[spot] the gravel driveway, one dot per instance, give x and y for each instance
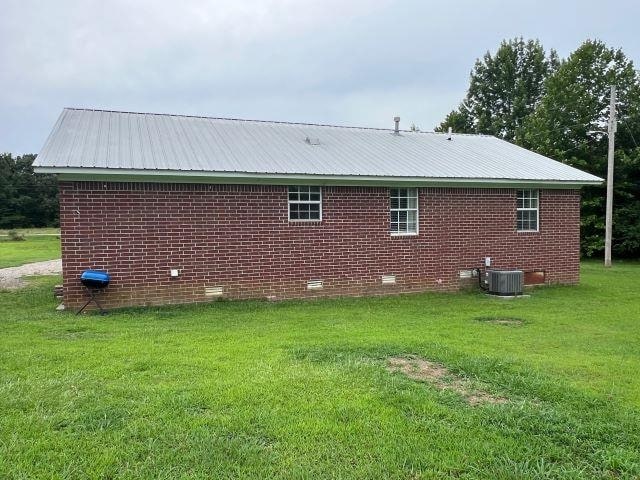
(11, 277)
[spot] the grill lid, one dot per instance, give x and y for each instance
(95, 278)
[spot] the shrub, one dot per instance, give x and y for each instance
(14, 236)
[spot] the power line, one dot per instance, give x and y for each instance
(630, 133)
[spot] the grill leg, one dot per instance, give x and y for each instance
(102, 310)
(93, 298)
(85, 305)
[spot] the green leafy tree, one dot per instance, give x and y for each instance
(570, 125)
(504, 89)
(27, 199)
(459, 121)
(7, 190)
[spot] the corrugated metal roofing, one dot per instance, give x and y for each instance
(98, 139)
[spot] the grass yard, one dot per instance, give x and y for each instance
(301, 389)
(34, 249)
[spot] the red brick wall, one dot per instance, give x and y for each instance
(239, 237)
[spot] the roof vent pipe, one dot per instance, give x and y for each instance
(449, 134)
(397, 127)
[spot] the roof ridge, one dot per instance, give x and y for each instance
(279, 122)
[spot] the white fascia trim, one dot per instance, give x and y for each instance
(191, 176)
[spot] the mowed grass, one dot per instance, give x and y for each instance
(301, 390)
(33, 249)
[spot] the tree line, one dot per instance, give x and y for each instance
(26, 199)
(560, 108)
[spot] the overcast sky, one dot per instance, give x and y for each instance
(322, 61)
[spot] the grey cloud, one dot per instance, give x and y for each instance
(357, 62)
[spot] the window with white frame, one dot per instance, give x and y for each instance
(527, 210)
(305, 203)
(404, 211)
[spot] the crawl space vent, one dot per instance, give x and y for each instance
(314, 285)
(388, 279)
(213, 291)
(466, 273)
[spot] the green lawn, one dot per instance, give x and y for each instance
(33, 249)
(300, 389)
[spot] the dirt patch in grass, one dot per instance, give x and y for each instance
(501, 320)
(439, 376)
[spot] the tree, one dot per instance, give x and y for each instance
(504, 89)
(26, 199)
(570, 125)
(7, 189)
(459, 120)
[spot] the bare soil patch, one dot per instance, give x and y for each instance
(501, 320)
(439, 376)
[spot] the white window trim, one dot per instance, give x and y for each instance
(536, 209)
(417, 209)
(289, 202)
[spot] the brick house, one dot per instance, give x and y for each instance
(186, 209)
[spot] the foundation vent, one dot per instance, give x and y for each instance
(213, 291)
(388, 279)
(466, 273)
(314, 285)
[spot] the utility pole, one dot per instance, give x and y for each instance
(609, 208)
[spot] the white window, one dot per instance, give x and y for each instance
(527, 210)
(305, 204)
(404, 211)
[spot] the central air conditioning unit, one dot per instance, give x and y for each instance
(505, 282)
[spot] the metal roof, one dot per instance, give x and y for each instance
(99, 141)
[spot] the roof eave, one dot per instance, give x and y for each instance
(181, 176)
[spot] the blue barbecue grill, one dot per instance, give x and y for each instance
(95, 281)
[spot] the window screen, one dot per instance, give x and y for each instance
(305, 203)
(404, 211)
(527, 210)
